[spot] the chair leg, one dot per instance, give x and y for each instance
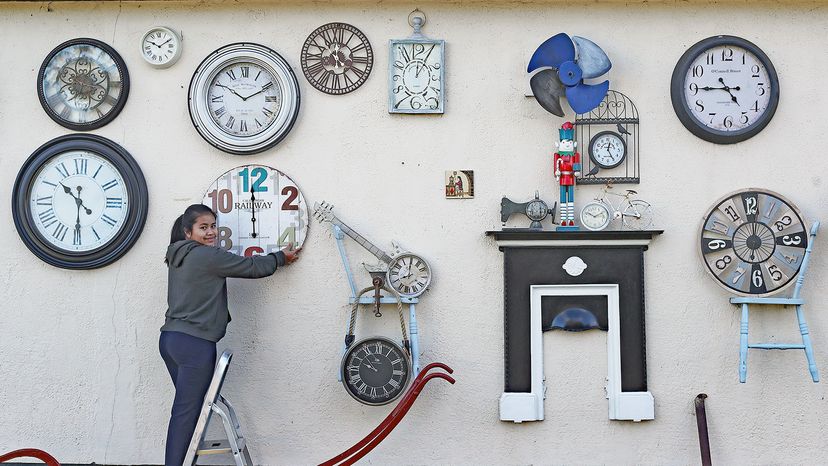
(743, 347)
(806, 341)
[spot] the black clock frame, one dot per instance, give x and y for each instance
(116, 109)
(371, 340)
(680, 104)
(303, 58)
(595, 160)
(136, 188)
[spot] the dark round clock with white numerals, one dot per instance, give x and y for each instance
(724, 89)
(83, 84)
(375, 370)
(753, 242)
(337, 58)
(79, 202)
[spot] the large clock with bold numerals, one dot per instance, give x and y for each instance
(753, 242)
(416, 76)
(337, 58)
(375, 371)
(83, 84)
(260, 210)
(244, 98)
(724, 89)
(79, 201)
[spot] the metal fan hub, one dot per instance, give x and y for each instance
(569, 73)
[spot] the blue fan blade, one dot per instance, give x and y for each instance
(554, 51)
(548, 91)
(585, 97)
(591, 59)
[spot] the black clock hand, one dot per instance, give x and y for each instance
(231, 90)
(728, 88)
(253, 210)
(251, 95)
(162, 43)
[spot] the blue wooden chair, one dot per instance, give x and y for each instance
(794, 300)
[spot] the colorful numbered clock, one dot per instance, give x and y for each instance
(83, 84)
(260, 210)
(79, 202)
(607, 149)
(375, 371)
(161, 47)
(724, 89)
(416, 72)
(337, 58)
(244, 98)
(753, 242)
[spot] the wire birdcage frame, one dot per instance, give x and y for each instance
(616, 113)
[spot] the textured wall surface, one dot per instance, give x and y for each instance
(80, 374)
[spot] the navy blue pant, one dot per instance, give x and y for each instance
(190, 361)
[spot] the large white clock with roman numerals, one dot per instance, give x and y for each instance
(80, 201)
(724, 89)
(753, 242)
(244, 98)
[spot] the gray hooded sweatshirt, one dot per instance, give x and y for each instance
(197, 286)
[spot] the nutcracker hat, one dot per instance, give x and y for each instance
(567, 131)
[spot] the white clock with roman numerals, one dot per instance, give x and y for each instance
(724, 89)
(244, 98)
(161, 47)
(80, 201)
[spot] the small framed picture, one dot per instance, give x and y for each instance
(459, 184)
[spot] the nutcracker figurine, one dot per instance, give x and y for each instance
(567, 165)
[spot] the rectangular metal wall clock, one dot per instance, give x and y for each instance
(416, 71)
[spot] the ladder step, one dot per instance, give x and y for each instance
(213, 447)
(779, 346)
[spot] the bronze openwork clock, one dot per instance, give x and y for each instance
(79, 202)
(337, 58)
(83, 84)
(753, 242)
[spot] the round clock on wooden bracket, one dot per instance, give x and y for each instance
(79, 202)
(260, 210)
(753, 242)
(724, 89)
(83, 84)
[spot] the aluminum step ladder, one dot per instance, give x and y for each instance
(214, 403)
(794, 300)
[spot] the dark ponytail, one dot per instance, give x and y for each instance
(184, 223)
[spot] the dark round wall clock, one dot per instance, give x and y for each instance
(375, 370)
(753, 242)
(83, 84)
(79, 202)
(337, 58)
(724, 89)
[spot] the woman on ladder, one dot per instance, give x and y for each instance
(197, 314)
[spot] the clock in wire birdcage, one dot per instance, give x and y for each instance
(609, 135)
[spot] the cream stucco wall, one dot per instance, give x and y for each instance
(80, 374)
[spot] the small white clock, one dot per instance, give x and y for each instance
(161, 47)
(595, 216)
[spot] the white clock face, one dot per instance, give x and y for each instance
(607, 149)
(595, 216)
(244, 99)
(727, 88)
(161, 47)
(409, 274)
(416, 77)
(260, 210)
(78, 201)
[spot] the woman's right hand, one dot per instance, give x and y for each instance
(291, 254)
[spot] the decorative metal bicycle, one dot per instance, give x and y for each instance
(635, 214)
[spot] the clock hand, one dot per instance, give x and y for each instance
(231, 90)
(79, 201)
(162, 43)
(251, 95)
(253, 210)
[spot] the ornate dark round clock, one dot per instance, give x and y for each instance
(375, 371)
(753, 242)
(337, 58)
(79, 202)
(83, 84)
(607, 149)
(724, 89)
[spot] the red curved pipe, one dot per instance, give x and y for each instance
(30, 453)
(387, 425)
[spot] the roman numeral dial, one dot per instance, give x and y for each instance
(375, 371)
(244, 99)
(337, 58)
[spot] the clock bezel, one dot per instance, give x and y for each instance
(617, 136)
(116, 109)
(441, 101)
(425, 287)
(197, 98)
(680, 104)
(344, 373)
(303, 59)
(176, 53)
(135, 187)
(603, 225)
